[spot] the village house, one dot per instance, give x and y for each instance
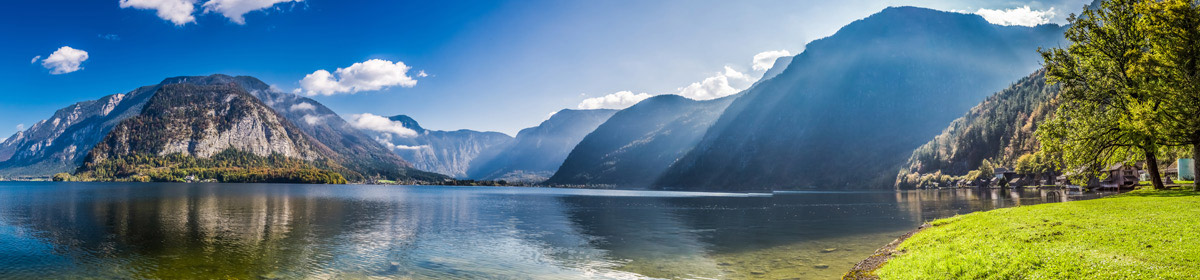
(1122, 175)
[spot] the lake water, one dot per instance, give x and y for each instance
(276, 231)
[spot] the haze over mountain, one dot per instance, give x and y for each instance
(848, 110)
(443, 152)
(538, 151)
(637, 144)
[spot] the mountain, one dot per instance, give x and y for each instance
(848, 111)
(538, 151)
(443, 152)
(352, 148)
(62, 143)
(637, 144)
(999, 130)
(182, 123)
(776, 68)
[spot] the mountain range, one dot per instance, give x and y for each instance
(633, 147)
(200, 117)
(850, 109)
(854, 110)
(538, 151)
(444, 152)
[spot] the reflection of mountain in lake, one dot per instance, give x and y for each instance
(247, 231)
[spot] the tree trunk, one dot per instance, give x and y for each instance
(1195, 166)
(1152, 168)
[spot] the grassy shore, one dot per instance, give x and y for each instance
(1139, 235)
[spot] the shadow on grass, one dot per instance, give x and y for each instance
(1173, 192)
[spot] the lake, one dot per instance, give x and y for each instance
(278, 231)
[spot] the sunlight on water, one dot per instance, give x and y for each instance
(208, 231)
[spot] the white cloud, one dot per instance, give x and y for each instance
(405, 147)
(303, 106)
(380, 124)
(422, 74)
(723, 84)
(175, 11)
(618, 100)
(236, 10)
(64, 60)
(313, 120)
(35, 59)
(764, 60)
(375, 74)
(20, 127)
(1023, 16)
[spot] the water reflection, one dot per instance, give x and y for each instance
(168, 231)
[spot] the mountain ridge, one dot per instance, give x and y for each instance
(852, 106)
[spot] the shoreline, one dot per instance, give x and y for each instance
(865, 269)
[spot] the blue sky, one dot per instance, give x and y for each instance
(489, 65)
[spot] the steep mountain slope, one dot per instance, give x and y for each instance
(538, 151)
(60, 143)
(849, 110)
(443, 152)
(185, 122)
(353, 148)
(780, 64)
(202, 121)
(637, 144)
(1000, 130)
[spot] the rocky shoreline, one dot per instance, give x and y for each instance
(865, 269)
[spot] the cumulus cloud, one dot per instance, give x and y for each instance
(35, 59)
(313, 120)
(303, 106)
(422, 74)
(375, 74)
(406, 147)
(722, 84)
(236, 10)
(1023, 16)
(618, 100)
(64, 60)
(380, 124)
(178, 12)
(764, 60)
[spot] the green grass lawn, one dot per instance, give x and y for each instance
(1139, 235)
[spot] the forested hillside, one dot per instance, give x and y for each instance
(999, 130)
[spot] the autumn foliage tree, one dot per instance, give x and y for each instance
(1108, 112)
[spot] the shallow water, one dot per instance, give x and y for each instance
(276, 231)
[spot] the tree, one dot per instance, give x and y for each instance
(61, 177)
(1107, 114)
(986, 170)
(1173, 27)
